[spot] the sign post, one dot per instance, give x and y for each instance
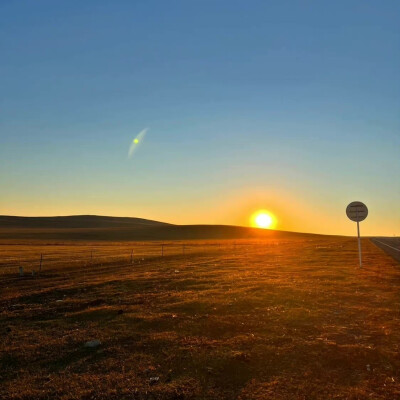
(357, 212)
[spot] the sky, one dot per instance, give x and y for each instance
(290, 106)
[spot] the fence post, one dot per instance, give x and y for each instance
(162, 250)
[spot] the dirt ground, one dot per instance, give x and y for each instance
(273, 319)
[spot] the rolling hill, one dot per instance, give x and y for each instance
(76, 221)
(93, 227)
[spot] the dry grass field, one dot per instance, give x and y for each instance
(269, 319)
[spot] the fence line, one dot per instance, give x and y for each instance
(84, 255)
(77, 255)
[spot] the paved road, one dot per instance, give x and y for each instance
(390, 244)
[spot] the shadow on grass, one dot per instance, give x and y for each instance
(75, 358)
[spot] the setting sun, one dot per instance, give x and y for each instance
(263, 219)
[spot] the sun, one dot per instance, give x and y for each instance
(263, 219)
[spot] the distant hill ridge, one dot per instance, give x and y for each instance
(95, 227)
(76, 221)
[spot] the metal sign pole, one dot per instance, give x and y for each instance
(359, 243)
(357, 211)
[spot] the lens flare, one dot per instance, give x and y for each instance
(137, 141)
(263, 219)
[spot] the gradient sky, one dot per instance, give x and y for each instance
(291, 106)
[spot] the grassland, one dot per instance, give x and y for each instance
(269, 319)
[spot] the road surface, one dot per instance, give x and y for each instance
(391, 245)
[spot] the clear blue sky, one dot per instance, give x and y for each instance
(291, 106)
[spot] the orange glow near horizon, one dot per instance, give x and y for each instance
(263, 219)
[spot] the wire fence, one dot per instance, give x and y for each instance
(51, 257)
(40, 258)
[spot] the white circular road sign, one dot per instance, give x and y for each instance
(357, 211)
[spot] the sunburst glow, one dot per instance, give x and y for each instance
(263, 219)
